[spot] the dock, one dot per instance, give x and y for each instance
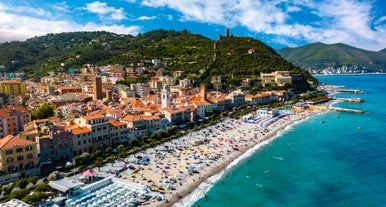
(355, 100)
(349, 91)
(347, 110)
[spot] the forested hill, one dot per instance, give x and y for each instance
(199, 56)
(319, 56)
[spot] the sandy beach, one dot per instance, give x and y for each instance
(177, 168)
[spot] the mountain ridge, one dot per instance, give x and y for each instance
(319, 56)
(198, 56)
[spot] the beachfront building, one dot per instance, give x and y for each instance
(219, 99)
(178, 115)
(136, 123)
(100, 128)
(55, 146)
(118, 132)
(18, 156)
(237, 98)
(260, 98)
(12, 120)
(81, 138)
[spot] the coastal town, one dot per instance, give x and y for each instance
(93, 115)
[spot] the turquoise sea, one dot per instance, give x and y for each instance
(341, 162)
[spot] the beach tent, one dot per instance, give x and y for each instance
(88, 175)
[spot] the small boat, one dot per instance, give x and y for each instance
(278, 158)
(359, 128)
(322, 121)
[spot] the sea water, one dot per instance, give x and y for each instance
(332, 159)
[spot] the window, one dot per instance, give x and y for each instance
(19, 150)
(19, 158)
(9, 160)
(8, 152)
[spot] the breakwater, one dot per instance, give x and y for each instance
(347, 110)
(349, 91)
(355, 100)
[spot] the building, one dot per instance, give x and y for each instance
(165, 97)
(98, 88)
(136, 124)
(81, 139)
(69, 89)
(100, 130)
(237, 98)
(178, 116)
(56, 146)
(118, 132)
(279, 78)
(13, 119)
(18, 156)
(13, 87)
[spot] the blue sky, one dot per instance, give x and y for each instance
(278, 23)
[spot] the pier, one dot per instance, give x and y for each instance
(355, 100)
(347, 110)
(349, 91)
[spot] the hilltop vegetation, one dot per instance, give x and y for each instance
(198, 56)
(319, 56)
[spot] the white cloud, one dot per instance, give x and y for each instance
(143, 18)
(347, 21)
(61, 7)
(105, 11)
(28, 11)
(15, 27)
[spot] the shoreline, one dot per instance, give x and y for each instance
(195, 188)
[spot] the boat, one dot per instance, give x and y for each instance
(322, 121)
(278, 158)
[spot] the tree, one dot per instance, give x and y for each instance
(19, 194)
(43, 187)
(42, 112)
(98, 162)
(34, 198)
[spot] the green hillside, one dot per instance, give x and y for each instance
(319, 56)
(199, 56)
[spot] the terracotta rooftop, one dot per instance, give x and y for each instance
(116, 123)
(10, 141)
(4, 112)
(80, 130)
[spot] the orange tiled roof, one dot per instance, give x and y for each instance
(130, 117)
(71, 126)
(80, 130)
(116, 123)
(149, 118)
(176, 110)
(91, 117)
(12, 141)
(4, 112)
(34, 131)
(137, 103)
